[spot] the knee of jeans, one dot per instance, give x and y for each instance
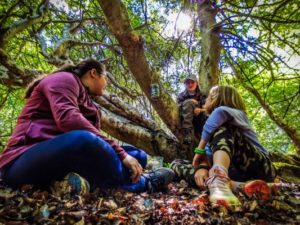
(141, 157)
(83, 138)
(139, 154)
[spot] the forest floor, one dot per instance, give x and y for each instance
(180, 204)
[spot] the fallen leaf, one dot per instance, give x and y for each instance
(110, 204)
(253, 206)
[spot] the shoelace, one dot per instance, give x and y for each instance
(218, 180)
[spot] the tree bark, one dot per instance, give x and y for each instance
(210, 46)
(154, 142)
(132, 45)
(117, 106)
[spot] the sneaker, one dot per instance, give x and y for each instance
(260, 189)
(72, 183)
(218, 185)
(159, 179)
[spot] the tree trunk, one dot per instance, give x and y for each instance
(287, 166)
(133, 50)
(210, 46)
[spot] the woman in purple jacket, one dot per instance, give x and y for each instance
(57, 133)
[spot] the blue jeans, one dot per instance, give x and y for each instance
(78, 151)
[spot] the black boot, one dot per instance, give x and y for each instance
(159, 179)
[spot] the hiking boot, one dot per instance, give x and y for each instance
(188, 136)
(159, 179)
(72, 183)
(218, 184)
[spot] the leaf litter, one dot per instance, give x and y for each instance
(180, 204)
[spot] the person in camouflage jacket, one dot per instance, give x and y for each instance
(192, 115)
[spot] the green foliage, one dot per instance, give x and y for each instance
(269, 134)
(253, 33)
(10, 109)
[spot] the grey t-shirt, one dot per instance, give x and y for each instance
(233, 116)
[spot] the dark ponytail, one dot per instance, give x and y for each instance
(79, 70)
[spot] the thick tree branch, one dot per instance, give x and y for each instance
(210, 46)
(117, 106)
(132, 44)
(153, 142)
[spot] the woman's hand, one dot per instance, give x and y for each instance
(134, 166)
(200, 176)
(197, 111)
(198, 158)
(194, 101)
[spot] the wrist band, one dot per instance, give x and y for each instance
(199, 151)
(202, 167)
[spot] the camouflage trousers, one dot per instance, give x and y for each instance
(188, 119)
(247, 161)
(187, 113)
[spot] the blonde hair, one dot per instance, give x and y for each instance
(224, 96)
